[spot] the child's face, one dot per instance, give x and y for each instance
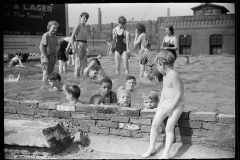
(93, 74)
(53, 29)
(105, 88)
(68, 96)
(130, 84)
(84, 20)
(124, 100)
(160, 67)
(148, 103)
(52, 83)
(99, 101)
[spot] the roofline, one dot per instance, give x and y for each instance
(209, 4)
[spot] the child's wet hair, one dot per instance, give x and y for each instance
(54, 77)
(165, 56)
(122, 20)
(96, 60)
(130, 77)
(18, 53)
(106, 80)
(50, 23)
(121, 92)
(73, 89)
(93, 68)
(85, 14)
(150, 95)
(95, 97)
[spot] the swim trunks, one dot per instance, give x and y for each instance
(167, 102)
(50, 65)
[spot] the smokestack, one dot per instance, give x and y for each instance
(168, 12)
(99, 21)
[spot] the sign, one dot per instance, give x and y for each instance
(32, 19)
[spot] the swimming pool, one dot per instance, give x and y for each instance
(209, 83)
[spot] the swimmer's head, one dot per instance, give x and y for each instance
(93, 72)
(124, 98)
(53, 79)
(150, 99)
(72, 91)
(97, 99)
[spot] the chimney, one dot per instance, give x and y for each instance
(168, 12)
(99, 21)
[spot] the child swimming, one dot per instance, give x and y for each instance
(106, 91)
(54, 81)
(129, 84)
(150, 99)
(16, 59)
(124, 98)
(97, 99)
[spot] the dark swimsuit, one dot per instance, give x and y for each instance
(168, 44)
(120, 46)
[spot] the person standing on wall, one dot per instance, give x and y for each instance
(141, 39)
(121, 38)
(80, 47)
(170, 42)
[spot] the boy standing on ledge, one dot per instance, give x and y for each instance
(171, 103)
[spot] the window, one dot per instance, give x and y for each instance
(216, 11)
(216, 40)
(207, 11)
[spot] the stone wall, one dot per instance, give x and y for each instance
(205, 128)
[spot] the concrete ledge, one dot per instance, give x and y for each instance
(36, 134)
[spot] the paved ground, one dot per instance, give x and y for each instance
(112, 147)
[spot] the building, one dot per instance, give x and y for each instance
(209, 31)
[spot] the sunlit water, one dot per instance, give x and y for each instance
(209, 83)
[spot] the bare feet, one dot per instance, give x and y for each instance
(164, 156)
(148, 152)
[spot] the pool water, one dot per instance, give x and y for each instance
(209, 83)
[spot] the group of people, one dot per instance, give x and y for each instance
(159, 65)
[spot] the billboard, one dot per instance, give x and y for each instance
(32, 19)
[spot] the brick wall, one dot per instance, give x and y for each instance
(207, 128)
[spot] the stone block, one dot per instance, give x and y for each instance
(148, 113)
(84, 128)
(85, 108)
(80, 116)
(200, 132)
(120, 119)
(226, 118)
(136, 134)
(203, 116)
(10, 109)
(11, 103)
(66, 107)
(189, 124)
(61, 114)
(128, 126)
(23, 110)
(124, 133)
(99, 130)
(84, 122)
(29, 103)
(141, 121)
(101, 117)
(183, 131)
(107, 109)
(107, 124)
(145, 128)
(46, 113)
(36, 134)
(128, 111)
(216, 126)
(48, 105)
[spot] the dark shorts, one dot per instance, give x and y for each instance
(61, 50)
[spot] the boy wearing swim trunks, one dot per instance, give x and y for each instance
(79, 46)
(171, 103)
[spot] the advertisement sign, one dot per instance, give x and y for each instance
(32, 19)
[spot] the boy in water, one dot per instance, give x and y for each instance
(171, 103)
(146, 61)
(97, 99)
(15, 60)
(150, 99)
(72, 93)
(124, 98)
(129, 84)
(48, 48)
(106, 91)
(80, 47)
(55, 81)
